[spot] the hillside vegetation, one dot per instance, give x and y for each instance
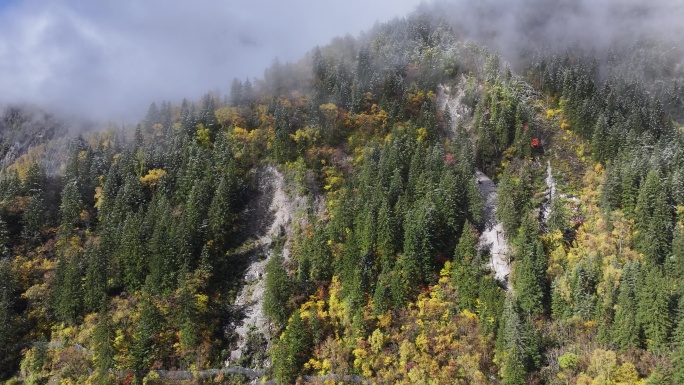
(122, 251)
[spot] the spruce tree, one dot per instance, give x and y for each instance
(144, 347)
(465, 275)
(9, 336)
(560, 308)
(95, 286)
(132, 252)
(386, 228)
(222, 209)
(382, 296)
(33, 218)
(599, 141)
(292, 350)
(517, 345)
(529, 280)
(103, 346)
(674, 266)
(68, 300)
(4, 240)
(626, 331)
(419, 230)
(653, 313)
(654, 224)
(277, 291)
(678, 342)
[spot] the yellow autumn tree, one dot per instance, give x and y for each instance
(153, 177)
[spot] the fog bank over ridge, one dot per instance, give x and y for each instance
(109, 60)
(511, 25)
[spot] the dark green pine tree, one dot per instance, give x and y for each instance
(277, 291)
(653, 312)
(367, 227)
(560, 308)
(188, 318)
(194, 214)
(236, 92)
(654, 224)
(33, 218)
(34, 181)
(162, 266)
(677, 183)
(68, 291)
(382, 296)
(103, 347)
(475, 204)
(629, 189)
(529, 279)
(558, 218)
(583, 289)
(188, 120)
(386, 228)
(292, 350)
(516, 345)
(193, 173)
(674, 266)
(403, 280)
(611, 193)
(9, 336)
(466, 275)
(526, 286)
(396, 188)
(416, 169)
(513, 199)
(283, 145)
(678, 341)
(151, 118)
(426, 119)
(490, 305)
(132, 252)
(605, 312)
(95, 285)
(222, 209)
(599, 140)
(485, 146)
(626, 332)
(4, 240)
(10, 185)
(452, 202)
(207, 114)
(321, 268)
(144, 347)
(419, 230)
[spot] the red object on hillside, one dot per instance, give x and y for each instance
(525, 128)
(535, 142)
(449, 159)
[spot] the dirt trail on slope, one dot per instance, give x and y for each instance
(271, 213)
(492, 238)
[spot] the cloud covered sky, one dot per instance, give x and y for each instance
(109, 59)
(507, 25)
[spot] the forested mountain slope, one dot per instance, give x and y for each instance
(127, 259)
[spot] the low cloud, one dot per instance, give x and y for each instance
(110, 59)
(511, 25)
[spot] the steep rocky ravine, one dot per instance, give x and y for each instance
(271, 212)
(492, 237)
